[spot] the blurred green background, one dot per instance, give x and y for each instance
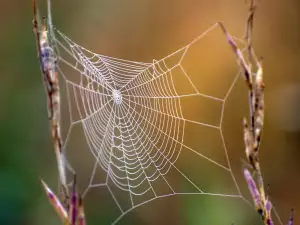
(142, 30)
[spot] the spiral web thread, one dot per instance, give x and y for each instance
(132, 118)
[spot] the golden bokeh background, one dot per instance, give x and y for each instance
(143, 30)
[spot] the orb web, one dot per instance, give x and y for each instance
(133, 119)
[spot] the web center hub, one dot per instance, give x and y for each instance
(117, 97)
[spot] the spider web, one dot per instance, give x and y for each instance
(134, 122)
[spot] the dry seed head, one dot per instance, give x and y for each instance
(291, 220)
(268, 208)
(60, 210)
(81, 215)
(253, 190)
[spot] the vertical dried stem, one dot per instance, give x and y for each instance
(47, 57)
(252, 133)
(50, 77)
